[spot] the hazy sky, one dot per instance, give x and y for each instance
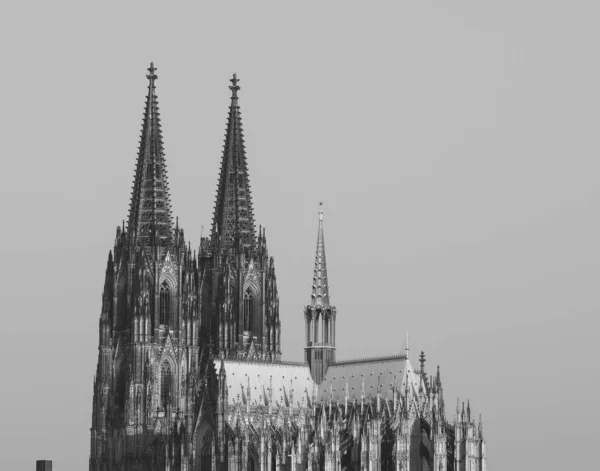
(454, 145)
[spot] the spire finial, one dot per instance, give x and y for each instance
(235, 87)
(406, 345)
(152, 75)
(320, 211)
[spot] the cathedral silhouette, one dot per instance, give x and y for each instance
(190, 375)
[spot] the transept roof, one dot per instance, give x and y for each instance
(366, 377)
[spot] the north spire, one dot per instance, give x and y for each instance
(150, 220)
(233, 218)
(320, 288)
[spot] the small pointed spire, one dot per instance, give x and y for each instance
(468, 410)
(422, 361)
(320, 288)
(406, 344)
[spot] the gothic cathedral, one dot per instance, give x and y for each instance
(190, 375)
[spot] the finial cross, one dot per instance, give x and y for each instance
(235, 87)
(152, 75)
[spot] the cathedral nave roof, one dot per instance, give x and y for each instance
(368, 376)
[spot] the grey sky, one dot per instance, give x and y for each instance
(454, 145)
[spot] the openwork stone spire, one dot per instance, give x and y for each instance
(320, 289)
(233, 218)
(150, 220)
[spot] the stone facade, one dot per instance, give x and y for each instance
(190, 375)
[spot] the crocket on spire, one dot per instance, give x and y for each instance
(233, 217)
(320, 288)
(150, 220)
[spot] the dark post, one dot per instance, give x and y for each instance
(43, 465)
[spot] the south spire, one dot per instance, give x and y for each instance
(150, 220)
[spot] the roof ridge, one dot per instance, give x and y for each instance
(370, 359)
(260, 362)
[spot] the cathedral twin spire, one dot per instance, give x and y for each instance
(150, 219)
(233, 217)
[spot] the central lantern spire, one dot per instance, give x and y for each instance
(320, 316)
(320, 289)
(233, 218)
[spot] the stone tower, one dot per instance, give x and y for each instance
(149, 323)
(319, 315)
(240, 304)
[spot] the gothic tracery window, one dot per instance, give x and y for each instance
(248, 311)
(165, 384)
(164, 304)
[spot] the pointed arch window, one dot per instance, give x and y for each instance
(248, 310)
(165, 384)
(164, 304)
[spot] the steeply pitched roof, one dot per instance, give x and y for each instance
(233, 218)
(261, 383)
(367, 376)
(150, 219)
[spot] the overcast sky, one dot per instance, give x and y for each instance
(454, 145)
